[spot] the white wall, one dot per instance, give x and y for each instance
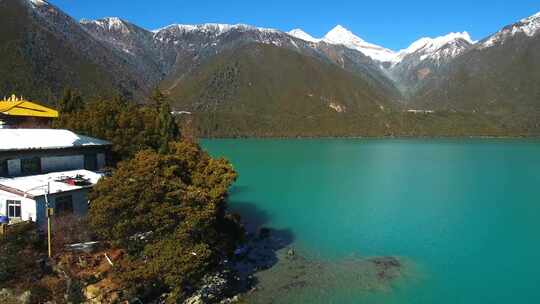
(62, 163)
(35, 210)
(28, 206)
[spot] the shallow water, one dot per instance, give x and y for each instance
(464, 213)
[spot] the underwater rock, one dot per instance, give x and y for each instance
(293, 280)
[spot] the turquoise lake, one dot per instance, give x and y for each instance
(464, 214)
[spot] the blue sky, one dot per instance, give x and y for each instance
(393, 24)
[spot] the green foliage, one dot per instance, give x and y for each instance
(70, 102)
(158, 97)
(19, 254)
(168, 128)
(128, 126)
(168, 210)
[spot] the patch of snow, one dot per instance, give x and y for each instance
(109, 23)
(342, 36)
(300, 34)
(529, 26)
(447, 46)
(213, 28)
(337, 107)
(33, 139)
(39, 2)
(433, 44)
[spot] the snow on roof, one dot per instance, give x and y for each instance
(33, 139)
(36, 185)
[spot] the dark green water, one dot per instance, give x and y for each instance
(465, 213)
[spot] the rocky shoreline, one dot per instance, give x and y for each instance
(266, 266)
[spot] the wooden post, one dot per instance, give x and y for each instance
(49, 232)
(3, 230)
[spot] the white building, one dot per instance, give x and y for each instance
(59, 165)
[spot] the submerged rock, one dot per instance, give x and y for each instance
(294, 280)
(291, 253)
(387, 267)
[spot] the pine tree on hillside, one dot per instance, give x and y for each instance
(168, 128)
(70, 102)
(158, 98)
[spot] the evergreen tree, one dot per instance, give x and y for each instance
(158, 98)
(167, 126)
(168, 129)
(177, 201)
(70, 102)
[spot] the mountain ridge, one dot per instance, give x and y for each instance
(111, 55)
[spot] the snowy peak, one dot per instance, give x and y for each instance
(300, 34)
(439, 48)
(529, 26)
(432, 44)
(211, 28)
(110, 24)
(341, 35)
(38, 2)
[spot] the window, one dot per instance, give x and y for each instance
(64, 205)
(90, 162)
(3, 168)
(30, 166)
(14, 209)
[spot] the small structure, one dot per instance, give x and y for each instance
(23, 198)
(39, 165)
(421, 111)
(20, 113)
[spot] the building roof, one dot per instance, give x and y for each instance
(36, 185)
(14, 106)
(44, 139)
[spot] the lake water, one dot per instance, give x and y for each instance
(464, 214)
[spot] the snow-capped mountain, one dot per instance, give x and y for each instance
(438, 49)
(529, 27)
(125, 36)
(214, 29)
(133, 59)
(425, 57)
(300, 34)
(52, 51)
(109, 23)
(133, 44)
(342, 36)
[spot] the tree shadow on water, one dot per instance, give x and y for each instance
(260, 250)
(238, 189)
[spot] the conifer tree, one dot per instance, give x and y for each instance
(168, 128)
(70, 102)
